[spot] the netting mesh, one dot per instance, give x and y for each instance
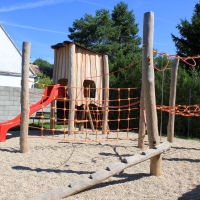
(122, 108)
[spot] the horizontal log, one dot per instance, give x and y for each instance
(102, 175)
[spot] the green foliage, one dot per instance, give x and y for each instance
(41, 62)
(114, 35)
(185, 84)
(188, 86)
(188, 43)
(43, 79)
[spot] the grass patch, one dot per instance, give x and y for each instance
(187, 138)
(35, 126)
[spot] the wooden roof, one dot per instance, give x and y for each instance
(65, 43)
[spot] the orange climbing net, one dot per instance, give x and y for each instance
(184, 59)
(183, 110)
(89, 118)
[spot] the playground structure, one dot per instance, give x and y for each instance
(80, 69)
(70, 59)
(76, 68)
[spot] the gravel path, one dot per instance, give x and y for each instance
(51, 164)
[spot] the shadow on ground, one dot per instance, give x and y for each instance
(120, 178)
(193, 194)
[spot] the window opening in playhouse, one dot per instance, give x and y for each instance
(89, 88)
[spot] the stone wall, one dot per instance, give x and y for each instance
(10, 105)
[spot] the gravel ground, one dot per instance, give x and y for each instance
(51, 164)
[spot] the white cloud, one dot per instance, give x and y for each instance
(162, 44)
(164, 20)
(30, 5)
(96, 4)
(34, 28)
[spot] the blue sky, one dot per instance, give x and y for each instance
(46, 22)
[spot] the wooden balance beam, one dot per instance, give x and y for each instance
(102, 175)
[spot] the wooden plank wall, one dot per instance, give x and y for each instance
(88, 66)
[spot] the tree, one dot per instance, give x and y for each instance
(115, 35)
(188, 78)
(188, 44)
(41, 62)
(43, 81)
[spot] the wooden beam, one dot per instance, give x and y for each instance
(25, 97)
(149, 90)
(172, 100)
(105, 95)
(102, 175)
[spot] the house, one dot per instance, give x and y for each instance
(11, 62)
(48, 71)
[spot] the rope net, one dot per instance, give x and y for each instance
(122, 108)
(183, 110)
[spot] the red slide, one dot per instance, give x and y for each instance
(48, 96)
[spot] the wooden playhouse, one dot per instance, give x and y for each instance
(85, 74)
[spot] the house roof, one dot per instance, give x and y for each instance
(48, 71)
(6, 73)
(65, 43)
(1, 26)
(14, 73)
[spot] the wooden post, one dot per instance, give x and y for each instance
(71, 89)
(81, 125)
(25, 97)
(90, 119)
(105, 95)
(172, 100)
(149, 91)
(52, 119)
(142, 128)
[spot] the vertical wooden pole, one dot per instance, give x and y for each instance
(53, 103)
(25, 97)
(105, 95)
(149, 91)
(142, 128)
(52, 119)
(172, 100)
(71, 89)
(81, 125)
(90, 119)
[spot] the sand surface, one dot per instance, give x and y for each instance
(51, 164)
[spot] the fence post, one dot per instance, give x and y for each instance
(172, 100)
(25, 97)
(149, 91)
